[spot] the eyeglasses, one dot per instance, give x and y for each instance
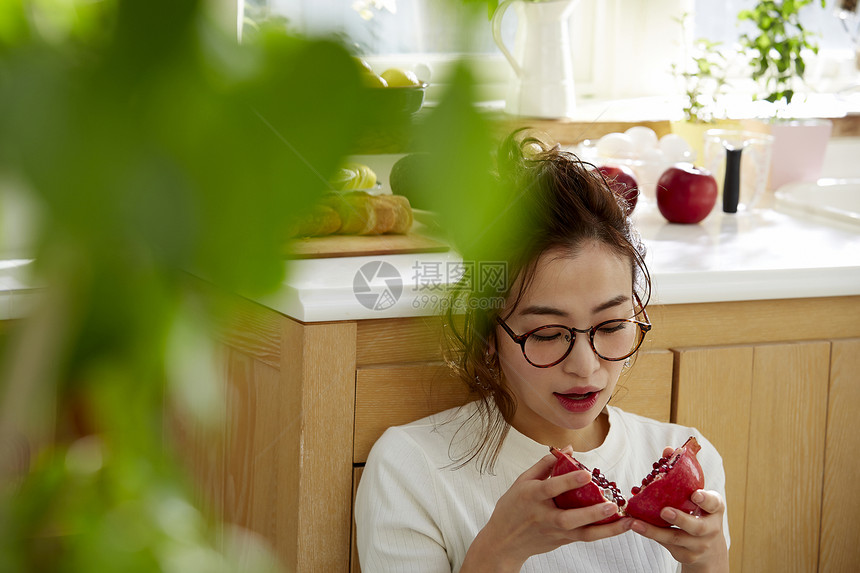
(611, 340)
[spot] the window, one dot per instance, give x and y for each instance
(621, 48)
(716, 21)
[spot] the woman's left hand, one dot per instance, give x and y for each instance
(697, 542)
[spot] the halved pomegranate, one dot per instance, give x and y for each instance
(599, 490)
(671, 482)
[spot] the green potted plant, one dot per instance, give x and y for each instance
(777, 47)
(703, 77)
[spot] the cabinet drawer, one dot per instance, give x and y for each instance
(391, 395)
(400, 340)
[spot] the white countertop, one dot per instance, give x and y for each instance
(761, 254)
(16, 288)
(756, 255)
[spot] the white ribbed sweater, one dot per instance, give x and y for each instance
(415, 514)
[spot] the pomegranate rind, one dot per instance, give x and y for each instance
(584, 496)
(670, 489)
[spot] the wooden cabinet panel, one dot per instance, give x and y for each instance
(323, 372)
(840, 507)
(250, 328)
(646, 388)
(712, 393)
(241, 471)
(753, 322)
(250, 489)
(399, 340)
(391, 395)
(764, 407)
(289, 397)
(786, 457)
(201, 444)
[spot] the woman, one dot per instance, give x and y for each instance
(469, 489)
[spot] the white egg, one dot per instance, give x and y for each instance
(644, 138)
(675, 148)
(653, 155)
(616, 145)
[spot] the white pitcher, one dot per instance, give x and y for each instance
(543, 85)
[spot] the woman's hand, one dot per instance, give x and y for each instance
(698, 542)
(526, 521)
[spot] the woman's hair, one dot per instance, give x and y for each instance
(562, 204)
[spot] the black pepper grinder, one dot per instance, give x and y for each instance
(732, 181)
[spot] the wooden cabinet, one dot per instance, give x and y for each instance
(772, 383)
(769, 422)
(776, 403)
(784, 423)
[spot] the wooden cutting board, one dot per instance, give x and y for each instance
(356, 246)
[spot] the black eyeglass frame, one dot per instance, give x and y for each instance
(644, 326)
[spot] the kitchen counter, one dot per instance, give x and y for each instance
(757, 255)
(761, 254)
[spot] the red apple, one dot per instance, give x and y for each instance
(685, 193)
(623, 183)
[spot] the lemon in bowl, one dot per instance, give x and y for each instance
(400, 78)
(404, 92)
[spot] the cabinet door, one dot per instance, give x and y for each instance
(840, 525)
(765, 409)
(713, 391)
(394, 394)
(786, 457)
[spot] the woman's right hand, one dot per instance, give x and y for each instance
(526, 521)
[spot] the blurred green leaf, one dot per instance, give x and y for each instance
(159, 152)
(157, 147)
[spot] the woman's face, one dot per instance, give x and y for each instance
(557, 403)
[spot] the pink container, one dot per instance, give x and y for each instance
(798, 150)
